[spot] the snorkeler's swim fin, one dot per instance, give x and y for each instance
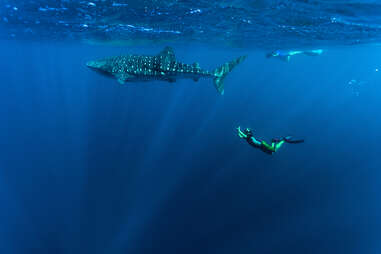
(289, 139)
(221, 72)
(313, 52)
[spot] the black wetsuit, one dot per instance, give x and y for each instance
(262, 146)
(275, 143)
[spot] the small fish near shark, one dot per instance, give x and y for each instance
(164, 67)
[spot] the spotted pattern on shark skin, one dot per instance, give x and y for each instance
(163, 66)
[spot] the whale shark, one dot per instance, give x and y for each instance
(163, 66)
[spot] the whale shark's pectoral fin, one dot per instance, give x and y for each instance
(121, 81)
(123, 78)
(196, 66)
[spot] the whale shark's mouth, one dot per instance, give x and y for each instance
(95, 64)
(99, 67)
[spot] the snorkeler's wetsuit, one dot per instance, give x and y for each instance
(275, 143)
(263, 146)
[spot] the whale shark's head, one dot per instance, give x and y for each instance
(100, 66)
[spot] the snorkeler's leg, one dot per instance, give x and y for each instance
(271, 147)
(313, 52)
(277, 145)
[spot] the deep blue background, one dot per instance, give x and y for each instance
(90, 166)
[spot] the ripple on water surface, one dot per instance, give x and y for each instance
(239, 23)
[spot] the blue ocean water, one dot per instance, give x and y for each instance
(88, 165)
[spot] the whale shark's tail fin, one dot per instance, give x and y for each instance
(221, 72)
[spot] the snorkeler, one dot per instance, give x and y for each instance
(269, 149)
(285, 55)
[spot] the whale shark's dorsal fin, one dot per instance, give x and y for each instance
(168, 54)
(167, 57)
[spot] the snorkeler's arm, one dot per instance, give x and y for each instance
(240, 133)
(258, 143)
